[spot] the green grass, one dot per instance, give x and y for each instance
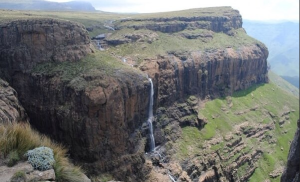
(172, 43)
(96, 63)
(283, 84)
(269, 97)
(18, 138)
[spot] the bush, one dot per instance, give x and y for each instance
(13, 158)
(21, 137)
(19, 176)
(41, 158)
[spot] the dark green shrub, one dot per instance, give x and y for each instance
(13, 158)
(19, 176)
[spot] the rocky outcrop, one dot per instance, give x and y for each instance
(222, 19)
(10, 108)
(100, 114)
(25, 43)
(207, 74)
(292, 171)
(96, 114)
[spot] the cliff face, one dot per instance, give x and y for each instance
(207, 74)
(25, 43)
(292, 171)
(100, 113)
(97, 114)
(10, 108)
(226, 20)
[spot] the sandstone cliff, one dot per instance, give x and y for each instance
(25, 43)
(10, 108)
(219, 19)
(207, 74)
(292, 171)
(96, 113)
(98, 105)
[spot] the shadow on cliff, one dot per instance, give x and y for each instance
(244, 93)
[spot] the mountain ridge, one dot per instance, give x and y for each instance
(42, 5)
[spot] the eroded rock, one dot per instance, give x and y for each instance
(10, 108)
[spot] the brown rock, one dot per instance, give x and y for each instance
(10, 108)
(41, 175)
(225, 21)
(214, 73)
(25, 43)
(6, 173)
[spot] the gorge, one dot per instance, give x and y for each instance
(103, 107)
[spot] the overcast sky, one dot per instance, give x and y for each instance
(249, 9)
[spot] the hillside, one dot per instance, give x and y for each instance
(197, 71)
(283, 84)
(282, 40)
(249, 131)
(42, 5)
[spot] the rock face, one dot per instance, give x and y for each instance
(292, 171)
(10, 108)
(207, 74)
(226, 20)
(25, 43)
(100, 115)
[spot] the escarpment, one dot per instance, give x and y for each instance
(208, 74)
(292, 170)
(25, 43)
(96, 103)
(222, 19)
(96, 113)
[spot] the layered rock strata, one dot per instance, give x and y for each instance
(100, 115)
(222, 19)
(25, 43)
(207, 74)
(96, 114)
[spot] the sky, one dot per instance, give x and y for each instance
(260, 10)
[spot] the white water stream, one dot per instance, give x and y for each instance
(150, 116)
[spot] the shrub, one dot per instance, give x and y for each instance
(19, 176)
(41, 158)
(13, 158)
(21, 137)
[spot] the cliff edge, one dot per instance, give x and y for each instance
(97, 102)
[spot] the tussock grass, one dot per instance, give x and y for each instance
(20, 137)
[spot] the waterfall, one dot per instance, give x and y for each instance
(150, 116)
(99, 45)
(124, 60)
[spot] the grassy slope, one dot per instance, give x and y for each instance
(283, 84)
(174, 42)
(275, 99)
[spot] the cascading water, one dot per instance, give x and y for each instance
(150, 117)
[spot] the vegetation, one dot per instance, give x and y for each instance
(20, 137)
(175, 43)
(97, 63)
(283, 84)
(41, 158)
(223, 118)
(13, 158)
(18, 176)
